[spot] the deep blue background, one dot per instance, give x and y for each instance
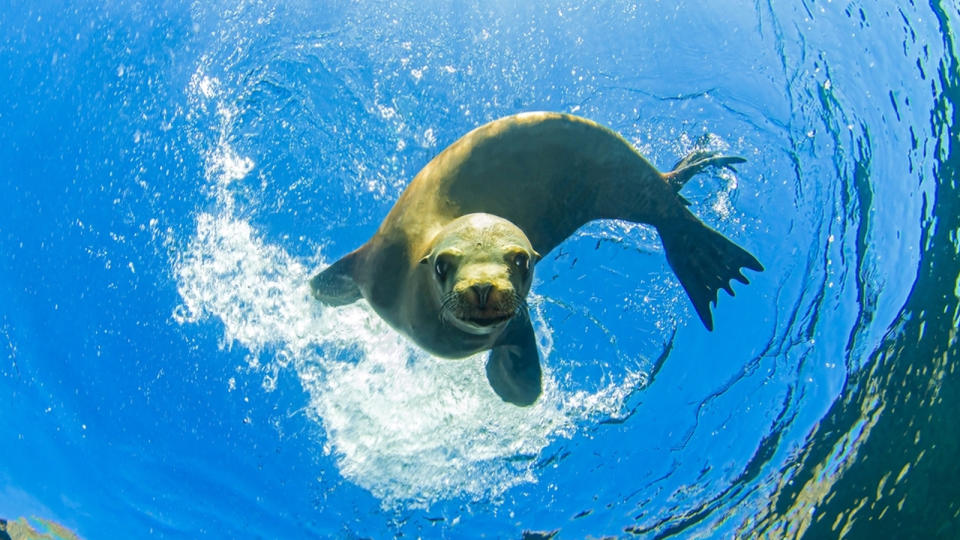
(118, 422)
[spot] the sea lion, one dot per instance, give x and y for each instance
(451, 264)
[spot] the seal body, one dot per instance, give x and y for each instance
(452, 262)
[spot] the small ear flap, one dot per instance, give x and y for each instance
(426, 256)
(535, 256)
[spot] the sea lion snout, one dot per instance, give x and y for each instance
(487, 295)
(484, 303)
(482, 292)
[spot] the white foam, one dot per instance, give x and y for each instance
(409, 428)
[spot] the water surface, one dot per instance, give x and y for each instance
(173, 174)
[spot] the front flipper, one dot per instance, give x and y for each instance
(513, 367)
(335, 286)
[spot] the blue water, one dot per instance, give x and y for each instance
(172, 174)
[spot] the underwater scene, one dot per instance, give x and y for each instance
(174, 174)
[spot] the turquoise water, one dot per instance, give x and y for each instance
(172, 174)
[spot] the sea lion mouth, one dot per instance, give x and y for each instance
(489, 320)
(469, 316)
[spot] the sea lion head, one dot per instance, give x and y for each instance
(480, 267)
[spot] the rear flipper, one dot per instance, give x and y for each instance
(513, 367)
(335, 286)
(704, 261)
(694, 163)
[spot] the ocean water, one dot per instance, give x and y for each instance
(172, 173)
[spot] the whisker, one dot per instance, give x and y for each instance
(521, 310)
(448, 301)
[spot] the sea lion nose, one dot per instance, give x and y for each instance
(482, 290)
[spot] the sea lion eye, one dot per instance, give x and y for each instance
(441, 268)
(521, 261)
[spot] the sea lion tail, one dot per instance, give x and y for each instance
(704, 261)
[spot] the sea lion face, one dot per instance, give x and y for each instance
(480, 267)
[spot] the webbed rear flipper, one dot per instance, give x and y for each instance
(704, 261)
(694, 163)
(513, 367)
(335, 286)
